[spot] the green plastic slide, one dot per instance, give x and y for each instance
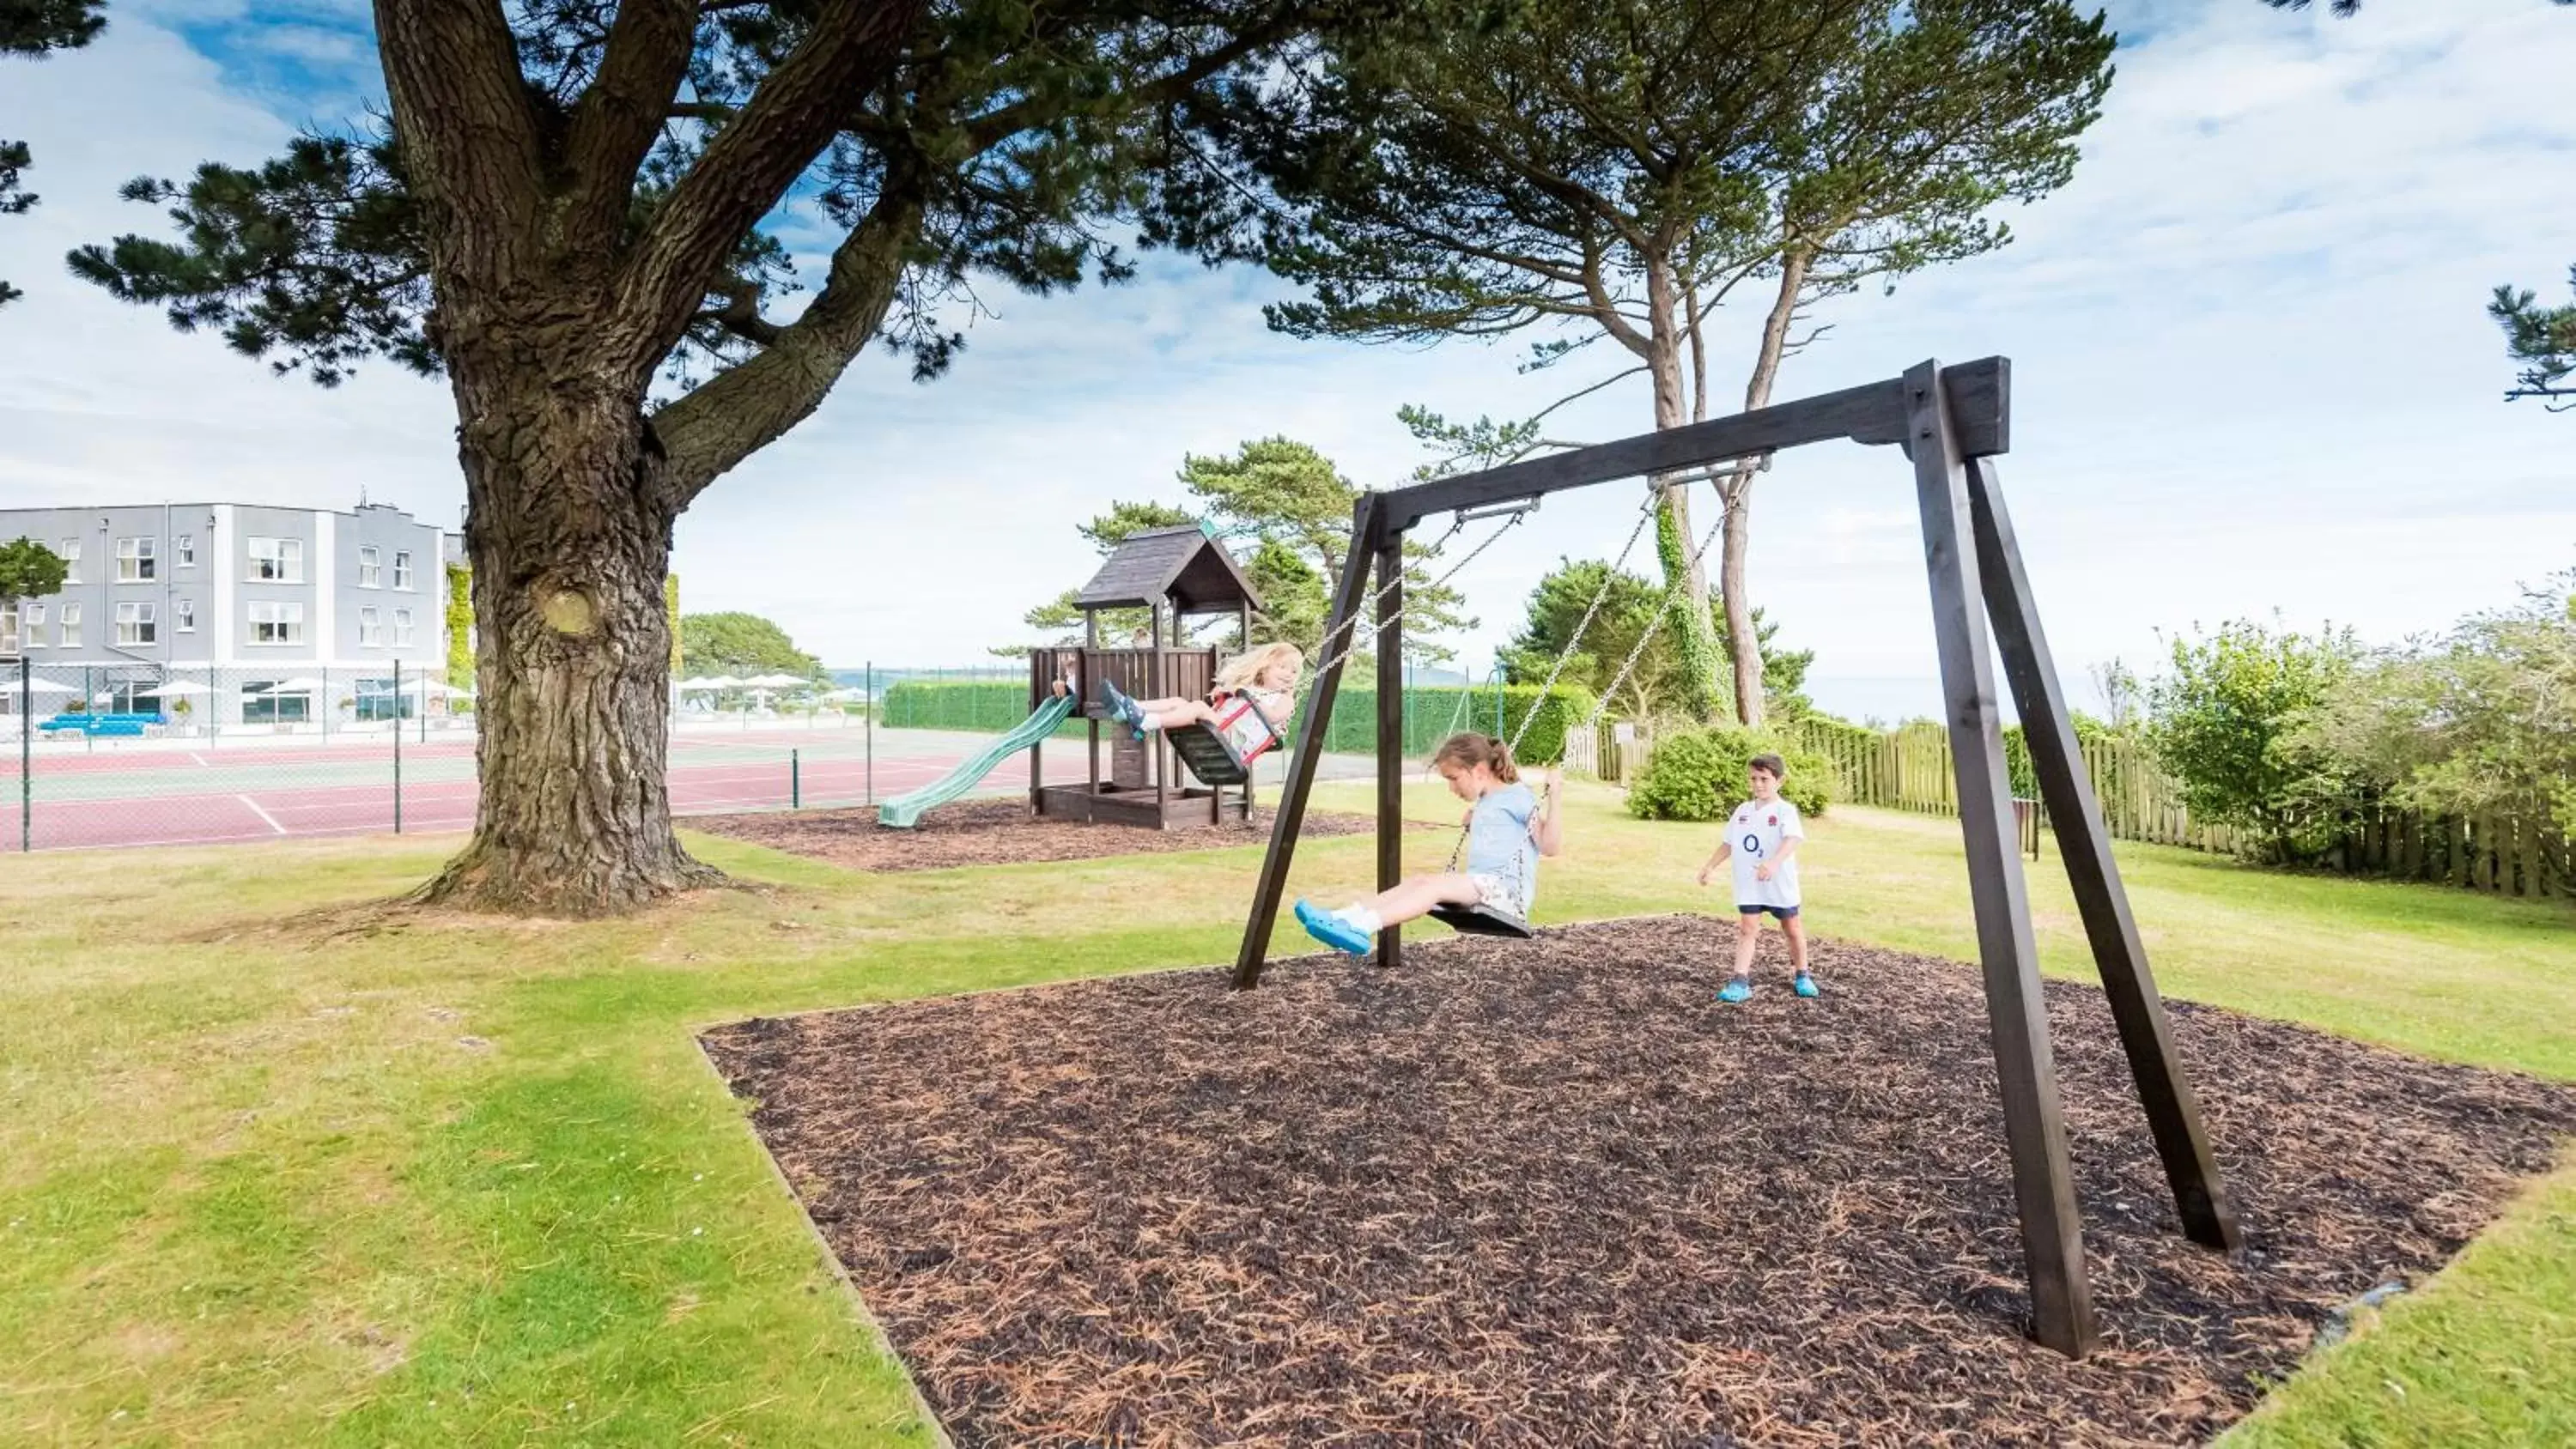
(904, 811)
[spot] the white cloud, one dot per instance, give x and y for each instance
(2251, 369)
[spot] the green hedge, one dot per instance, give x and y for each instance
(1431, 713)
(987, 706)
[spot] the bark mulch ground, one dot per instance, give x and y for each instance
(1553, 1193)
(991, 832)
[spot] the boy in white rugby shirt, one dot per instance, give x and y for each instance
(1763, 836)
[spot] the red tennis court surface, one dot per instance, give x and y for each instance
(169, 795)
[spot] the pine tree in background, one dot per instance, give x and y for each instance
(1614, 170)
(37, 28)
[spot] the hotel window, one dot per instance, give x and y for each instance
(135, 624)
(134, 562)
(9, 626)
(402, 628)
(69, 637)
(70, 550)
(371, 567)
(262, 702)
(185, 548)
(35, 626)
(272, 622)
(402, 568)
(371, 629)
(184, 614)
(277, 560)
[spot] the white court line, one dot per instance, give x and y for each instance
(200, 759)
(262, 814)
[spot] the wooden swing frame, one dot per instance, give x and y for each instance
(1952, 422)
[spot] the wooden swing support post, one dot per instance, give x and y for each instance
(1951, 422)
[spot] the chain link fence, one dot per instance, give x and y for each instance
(97, 755)
(108, 754)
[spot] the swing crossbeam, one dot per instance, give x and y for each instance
(1950, 422)
(1979, 394)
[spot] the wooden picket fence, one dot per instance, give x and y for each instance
(1909, 769)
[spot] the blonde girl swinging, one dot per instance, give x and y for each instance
(1508, 829)
(1254, 695)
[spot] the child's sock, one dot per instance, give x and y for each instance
(1362, 917)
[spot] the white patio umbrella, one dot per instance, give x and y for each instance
(692, 686)
(776, 681)
(434, 688)
(301, 684)
(50, 686)
(174, 688)
(724, 681)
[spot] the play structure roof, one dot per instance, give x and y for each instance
(1180, 564)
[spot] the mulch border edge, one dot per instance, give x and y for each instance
(855, 1300)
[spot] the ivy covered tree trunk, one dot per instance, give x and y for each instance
(569, 534)
(1675, 540)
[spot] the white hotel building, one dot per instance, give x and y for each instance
(282, 615)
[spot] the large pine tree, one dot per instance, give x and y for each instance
(569, 203)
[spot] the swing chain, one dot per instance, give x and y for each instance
(1574, 641)
(1611, 690)
(1378, 630)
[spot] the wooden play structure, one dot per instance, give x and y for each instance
(1951, 423)
(1175, 575)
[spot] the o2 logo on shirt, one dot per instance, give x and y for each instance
(1752, 843)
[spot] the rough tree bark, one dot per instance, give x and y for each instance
(551, 336)
(568, 530)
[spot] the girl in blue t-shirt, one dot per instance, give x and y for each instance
(1508, 829)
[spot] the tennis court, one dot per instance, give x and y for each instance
(197, 793)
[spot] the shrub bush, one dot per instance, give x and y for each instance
(1699, 775)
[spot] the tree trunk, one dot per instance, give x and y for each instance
(1674, 537)
(568, 530)
(1736, 488)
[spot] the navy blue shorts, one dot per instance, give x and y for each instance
(1783, 912)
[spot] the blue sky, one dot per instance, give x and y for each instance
(2252, 369)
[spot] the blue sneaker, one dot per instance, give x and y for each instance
(1332, 930)
(1123, 709)
(1806, 986)
(1736, 990)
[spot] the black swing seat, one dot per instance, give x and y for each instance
(1209, 755)
(1483, 921)
(1212, 757)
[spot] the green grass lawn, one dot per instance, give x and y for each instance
(276, 1167)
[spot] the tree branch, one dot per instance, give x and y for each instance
(790, 119)
(1607, 310)
(753, 404)
(620, 115)
(995, 127)
(740, 315)
(470, 141)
